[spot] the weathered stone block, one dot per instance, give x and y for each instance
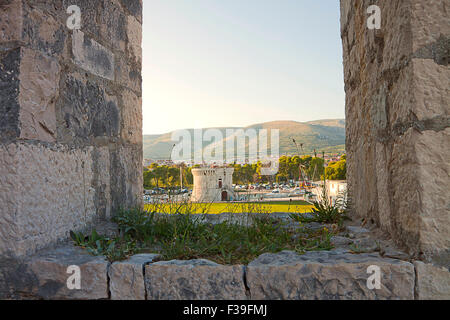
(129, 75)
(194, 280)
(9, 94)
(432, 282)
(43, 32)
(127, 180)
(134, 7)
(395, 36)
(131, 117)
(102, 182)
(383, 188)
(429, 21)
(60, 123)
(127, 277)
(92, 56)
(339, 241)
(327, 275)
(88, 112)
(433, 156)
(396, 90)
(134, 32)
(50, 271)
(114, 25)
(46, 191)
(11, 20)
(429, 89)
(39, 89)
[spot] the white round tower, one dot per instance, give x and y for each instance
(212, 184)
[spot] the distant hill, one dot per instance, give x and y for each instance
(321, 135)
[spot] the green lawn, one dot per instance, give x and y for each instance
(217, 208)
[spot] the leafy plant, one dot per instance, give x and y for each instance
(183, 235)
(324, 211)
(78, 237)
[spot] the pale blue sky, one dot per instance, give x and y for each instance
(223, 63)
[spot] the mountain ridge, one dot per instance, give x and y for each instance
(326, 135)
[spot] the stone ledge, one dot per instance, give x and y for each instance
(320, 275)
(432, 282)
(126, 278)
(50, 270)
(194, 280)
(327, 275)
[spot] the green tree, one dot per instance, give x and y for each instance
(173, 176)
(337, 170)
(315, 168)
(148, 179)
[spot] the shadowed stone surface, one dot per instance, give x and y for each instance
(127, 277)
(9, 94)
(194, 280)
(397, 121)
(50, 270)
(92, 56)
(327, 275)
(70, 134)
(432, 282)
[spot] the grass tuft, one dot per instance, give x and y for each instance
(184, 236)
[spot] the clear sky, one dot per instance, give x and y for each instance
(228, 63)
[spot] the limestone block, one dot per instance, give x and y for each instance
(394, 253)
(47, 192)
(405, 190)
(396, 33)
(345, 6)
(129, 75)
(127, 277)
(11, 21)
(127, 180)
(92, 56)
(102, 182)
(433, 283)
(433, 155)
(39, 90)
(134, 7)
(88, 111)
(327, 275)
(43, 32)
(113, 25)
(131, 117)
(383, 189)
(430, 89)
(339, 241)
(9, 94)
(429, 21)
(194, 280)
(134, 32)
(50, 271)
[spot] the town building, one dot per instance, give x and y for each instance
(213, 184)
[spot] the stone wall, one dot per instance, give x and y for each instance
(70, 118)
(320, 275)
(398, 124)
